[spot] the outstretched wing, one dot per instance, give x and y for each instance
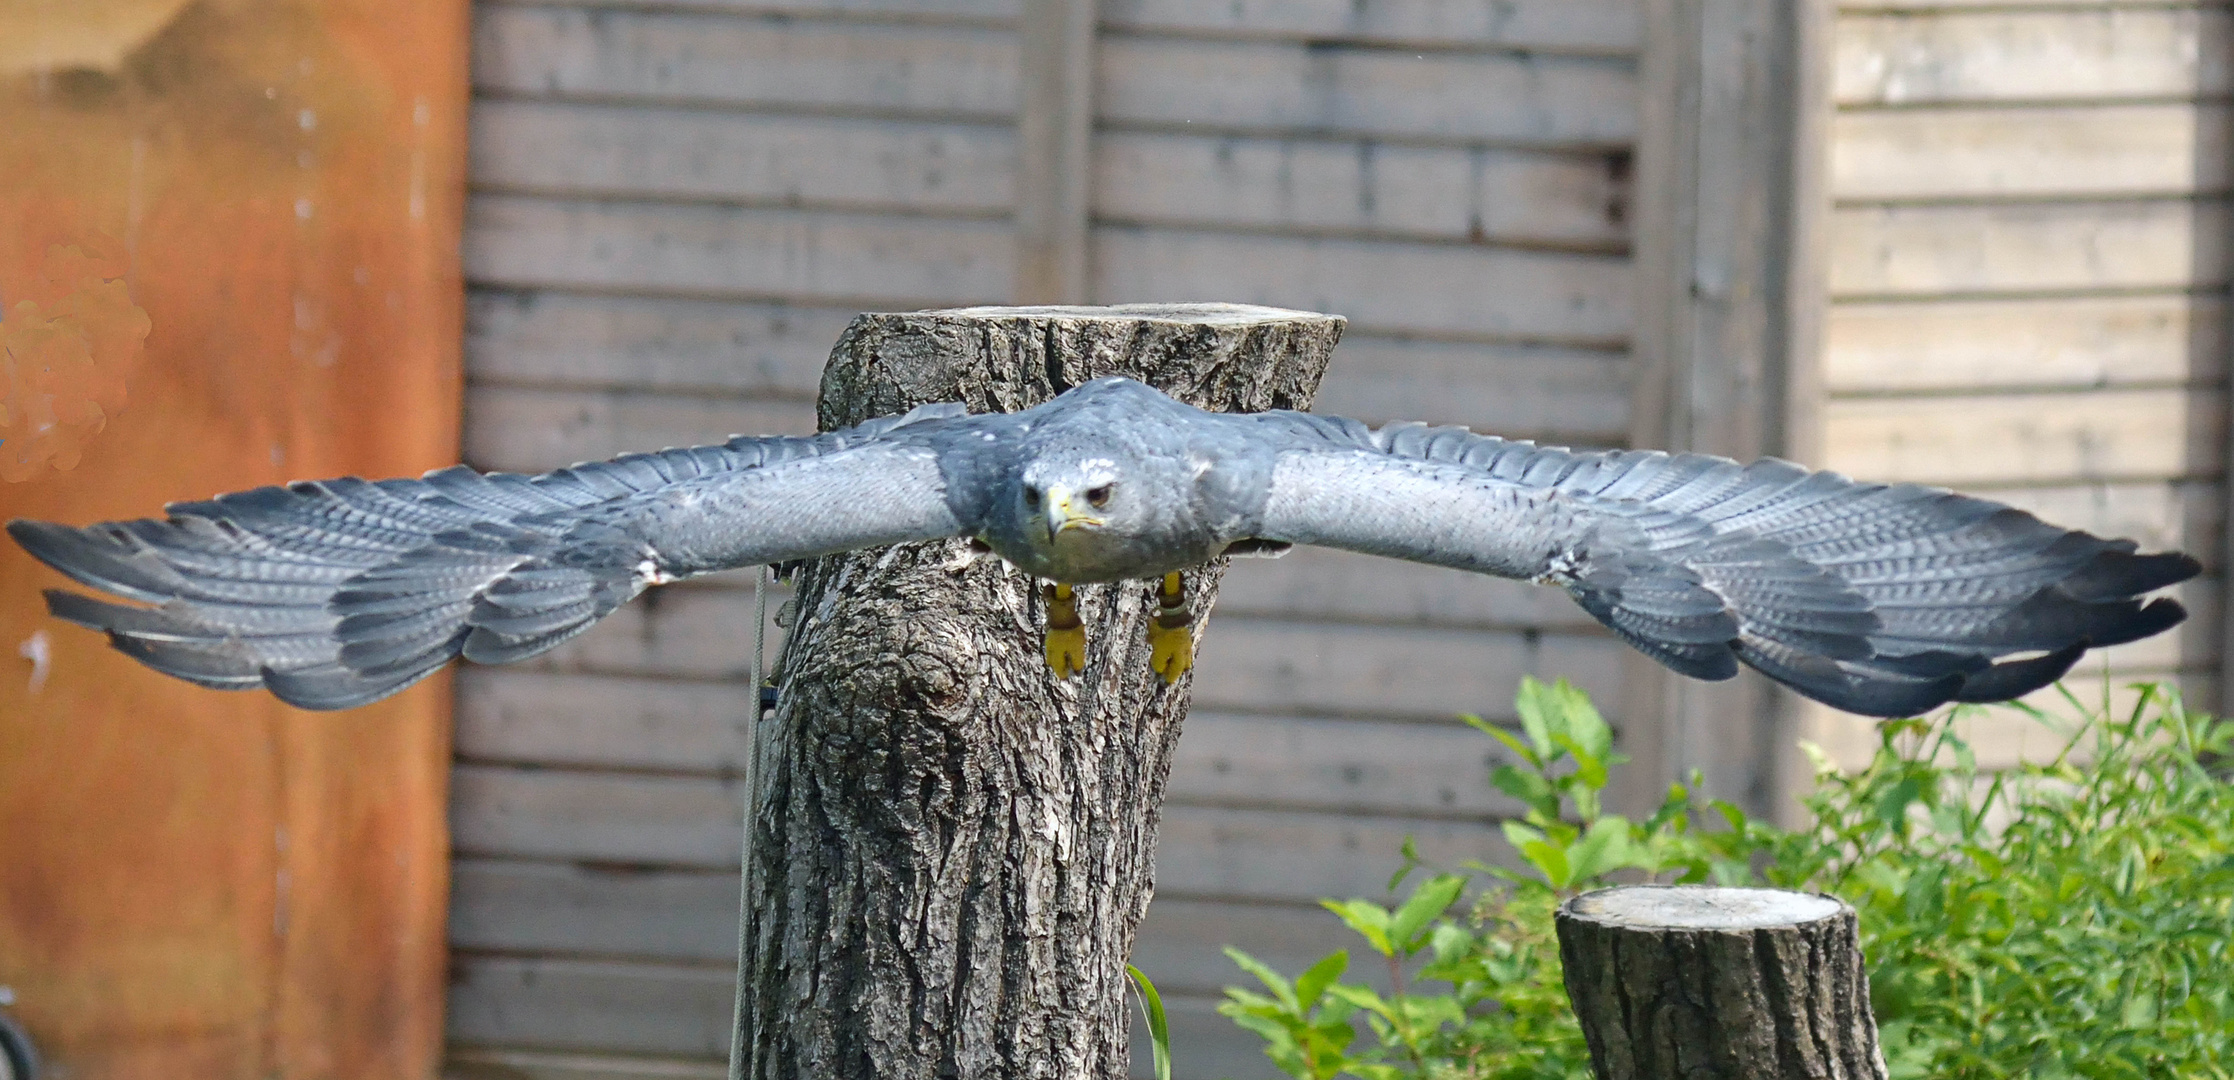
(1885, 600)
(336, 593)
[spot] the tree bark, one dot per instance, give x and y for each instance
(1680, 982)
(953, 845)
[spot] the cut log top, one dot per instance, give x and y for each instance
(1701, 907)
(1689, 982)
(1203, 314)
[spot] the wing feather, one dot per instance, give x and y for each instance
(335, 593)
(1879, 599)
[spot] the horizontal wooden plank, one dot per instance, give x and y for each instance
(829, 161)
(1274, 856)
(1362, 186)
(625, 821)
(509, 906)
(648, 343)
(2029, 438)
(615, 722)
(2062, 151)
(1593, 26)
(534, 813)
(1248, 664)
(1332, 87)
(2024, 247)
(1380, 286)
(535, 1010)
(602, 1006)
(690, 917)
(533, 430)
(543, 339)
(512, 716)
(2099, 52)
(2001, 738)
(2071, 342)
(734, 252)
(2185, 516)
(494, 1063)
(1322, 584)
(1337, 766)
(684, 56)
(1320, 669)
(1518, 391)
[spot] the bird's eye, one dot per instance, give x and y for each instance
(1031, 496)
(1099, 496)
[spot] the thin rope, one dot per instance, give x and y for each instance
(745, 880)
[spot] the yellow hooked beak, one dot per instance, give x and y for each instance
(1063, 515)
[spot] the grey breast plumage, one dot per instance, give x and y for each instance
(1879, 599)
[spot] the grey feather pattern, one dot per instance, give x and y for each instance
(340, 592)
(1879, 599)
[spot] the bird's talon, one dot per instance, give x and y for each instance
(1066, 634)
(1171, 637)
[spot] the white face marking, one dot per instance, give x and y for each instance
(649, 572)
(1098, 464)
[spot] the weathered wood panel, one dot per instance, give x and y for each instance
(1522, 392)
(1256, 665)
(524, 430)
(1588, 26)
(623, 821)
(2068, 342)
(673, 1012)
(2030, 438)
(741, 253)
(698, 728)
(2176, 148)
(603, 1006)
(1333, 87)
(649, 343)
(1303, 184)
(561, 909)
(540, 339)
(2045, 55)
(1381, 286)
(687, 57)
(1997, 247)
(572, 148)
(496, 1063)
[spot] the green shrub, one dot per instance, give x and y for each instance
(2066, 919)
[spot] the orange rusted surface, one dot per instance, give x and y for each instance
(228, 257)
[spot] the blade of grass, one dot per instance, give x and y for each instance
(1159, 1029)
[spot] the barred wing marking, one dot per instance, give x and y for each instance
(1885, 600)
(336, 593)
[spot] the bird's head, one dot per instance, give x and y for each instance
(1066, 498)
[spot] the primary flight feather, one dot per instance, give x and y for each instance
(1885, 600)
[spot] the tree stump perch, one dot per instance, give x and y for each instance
(1678, 982)
(953, 845)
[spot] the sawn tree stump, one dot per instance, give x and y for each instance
(953, 845)
(1682, 982)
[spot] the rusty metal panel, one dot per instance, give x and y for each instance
(228, 257)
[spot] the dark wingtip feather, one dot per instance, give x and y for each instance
(2012, 679)
(2133, 624)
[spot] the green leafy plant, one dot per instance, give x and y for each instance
(2068, 919)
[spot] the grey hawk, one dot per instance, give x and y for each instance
(1885, 600)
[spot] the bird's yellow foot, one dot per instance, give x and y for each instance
(1171, 636)
(1066, 635)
